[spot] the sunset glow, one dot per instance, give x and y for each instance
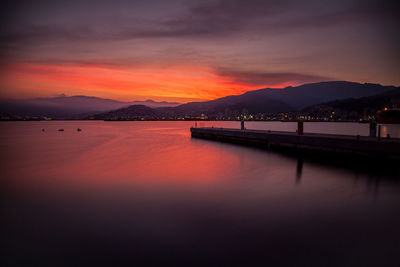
(200, 132)
(184, 83)
(191, 50)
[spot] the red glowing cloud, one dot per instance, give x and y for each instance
(179, 82)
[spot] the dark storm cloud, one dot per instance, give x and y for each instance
(224, 17)
(231, 16)
(268, 78)
(214, 19)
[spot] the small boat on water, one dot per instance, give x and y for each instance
(61, 130)
(79, 129)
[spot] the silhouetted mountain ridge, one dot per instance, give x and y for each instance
(314, 93)
(266, 100)
(128, 113)
(370, 104)
(270, 100)
(78, 106)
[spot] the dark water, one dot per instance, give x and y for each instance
(146, 194)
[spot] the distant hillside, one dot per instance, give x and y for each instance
(309, 94)
(69, 106)
(281, 100)
(353, 108)
(251, 102)
(153, 104)
(376, 102)
(260, 101)
(129, 113)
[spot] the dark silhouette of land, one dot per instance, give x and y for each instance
(69, 107)
(351, 100)
(291, 103)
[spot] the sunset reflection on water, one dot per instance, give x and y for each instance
(147, 187)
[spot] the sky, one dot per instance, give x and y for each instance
(182, 50)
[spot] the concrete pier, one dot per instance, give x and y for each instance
(357, 145)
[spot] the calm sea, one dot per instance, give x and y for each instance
(146, 194)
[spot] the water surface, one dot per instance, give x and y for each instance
(146, 193)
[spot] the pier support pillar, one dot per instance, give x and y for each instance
(379, 131)
(372, 129)
(300, 127)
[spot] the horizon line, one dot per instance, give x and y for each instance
(150, 98)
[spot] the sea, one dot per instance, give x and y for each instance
(144, 193)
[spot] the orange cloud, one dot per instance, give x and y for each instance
(181, 83)
(136, 83)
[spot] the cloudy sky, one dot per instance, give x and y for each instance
(183, 50)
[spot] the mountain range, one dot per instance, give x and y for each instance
(353, 108)
(70, 106)
(267, 100)
(288, 99)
